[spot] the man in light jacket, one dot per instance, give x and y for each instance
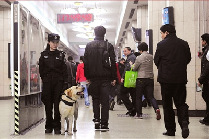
(145, 80)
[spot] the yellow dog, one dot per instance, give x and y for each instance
(68, 108)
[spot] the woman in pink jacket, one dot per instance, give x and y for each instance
(80, 78)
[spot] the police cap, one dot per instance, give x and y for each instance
(53, 36)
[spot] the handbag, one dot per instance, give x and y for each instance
(130, 78)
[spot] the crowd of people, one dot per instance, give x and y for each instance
(103, 79)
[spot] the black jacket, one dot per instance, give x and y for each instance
(131, 58)
(93, 57)
(71, 70)
(171, 58)
(121, 68)
(204, 77)
(52, 64)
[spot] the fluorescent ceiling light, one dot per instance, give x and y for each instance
(97, 11)
(79, 29)
(82, 46)
(69, 11)
(77, 3)
(82, 35)
(82, 10)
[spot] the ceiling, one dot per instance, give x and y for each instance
(110, 17)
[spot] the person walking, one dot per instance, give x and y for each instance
(171, 58)
(100, 70)
(125, 92)
(145, 80)
(53, 72)
(80, 78)
(204, 77)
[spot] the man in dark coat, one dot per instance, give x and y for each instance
(101, 72)
(71, 70)
(204, 77)
(171, 58)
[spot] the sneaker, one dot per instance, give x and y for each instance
(104, 128)
(169, 133)
(185, 129)
(97, 124)
(158, 116)
(138, 117)
(48, 130)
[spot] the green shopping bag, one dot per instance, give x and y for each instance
(130, 78)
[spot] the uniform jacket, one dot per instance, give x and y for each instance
(204, 77)
(171, 58)
(93, 57)
(131, 57)
(144, 65)
(52, 64)
(80, 73)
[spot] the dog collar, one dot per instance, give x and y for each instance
(67, 103)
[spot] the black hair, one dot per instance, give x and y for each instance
(143, 47)
(169, 28)
(137, 54)
(70, 58)
(82, 58)
(47, 47)
(205, 37)
(129, 48)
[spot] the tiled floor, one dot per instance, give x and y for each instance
(120, 127)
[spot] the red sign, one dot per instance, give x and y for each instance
(69, 18)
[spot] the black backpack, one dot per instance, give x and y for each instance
(106, 57)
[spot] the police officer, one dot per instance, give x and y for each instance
(52, 70)
(204, 77)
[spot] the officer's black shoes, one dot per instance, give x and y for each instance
(104, 128)
(202, 121)
(48, 131)
(169, 133)
(185, 129)
(57, 132)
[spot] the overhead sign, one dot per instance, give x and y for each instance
(70, 18)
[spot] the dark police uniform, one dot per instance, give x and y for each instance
(53, 72)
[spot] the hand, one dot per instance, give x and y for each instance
(122, 80)
(199, 84)
(131, 63)
(113, 82)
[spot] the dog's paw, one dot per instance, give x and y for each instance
(74, 130)
(69, 133)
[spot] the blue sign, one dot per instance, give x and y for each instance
(165, 16)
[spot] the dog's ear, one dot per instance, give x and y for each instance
(69, 92)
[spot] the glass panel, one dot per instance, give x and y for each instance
(36, 46)
(24, 58)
